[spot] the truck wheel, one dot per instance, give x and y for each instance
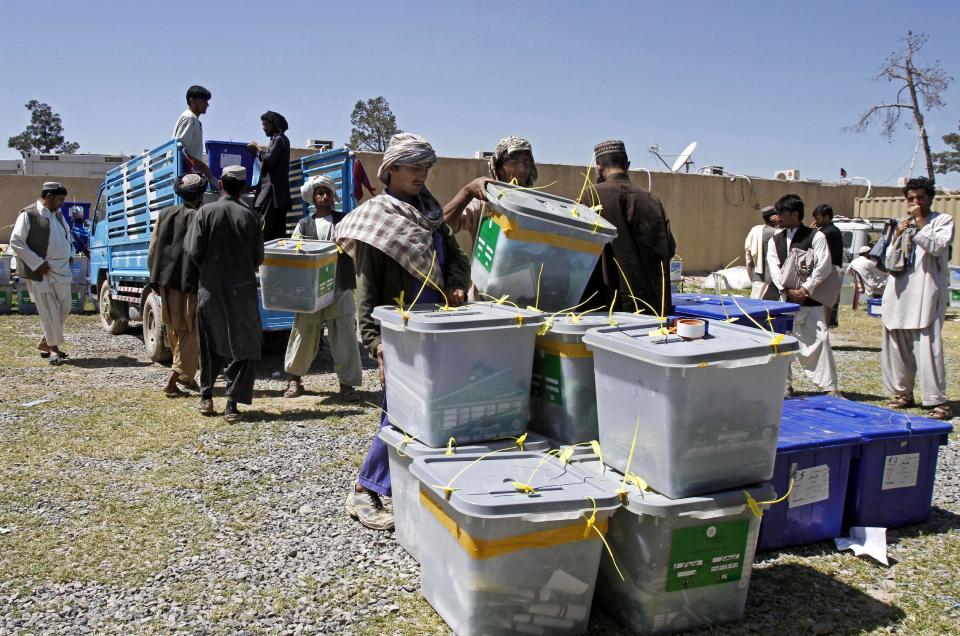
(107, 321)
(154, 333)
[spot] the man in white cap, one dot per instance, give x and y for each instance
(397, 241)
(755, 256)
(43, 246)
(175, 280)
(307, 332)
(226, 243)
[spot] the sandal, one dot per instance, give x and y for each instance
(349, 394)
(294, 389)
(902, 402)
(189, 383)
(941, 412)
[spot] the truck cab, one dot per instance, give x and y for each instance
(128, 205)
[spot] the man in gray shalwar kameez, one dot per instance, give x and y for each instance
(226, 244)
(915, 303)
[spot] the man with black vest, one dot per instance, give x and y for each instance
(810, 323)
(44, 249)
(173, 277)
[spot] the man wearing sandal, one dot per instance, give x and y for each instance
(43, 246)
(340, 316)
(915, 303)
(174, 278)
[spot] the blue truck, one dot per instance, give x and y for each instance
(128, 204)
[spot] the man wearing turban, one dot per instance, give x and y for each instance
(397, 240)
(320, 192)
(272, 197)
(511, 161)
(175, 280)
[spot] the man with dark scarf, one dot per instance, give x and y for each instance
(272, 197)
(396, 239)
(173, 278)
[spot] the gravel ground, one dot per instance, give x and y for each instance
(122, 513)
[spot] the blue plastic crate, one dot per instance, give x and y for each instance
(875, 307)
(6, 270)
(891, 483)
(221, 154)
(273, 320)
(819, 458)
(25, 305)
(768, 313)
(6, 299)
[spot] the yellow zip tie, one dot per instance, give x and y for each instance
(636, 307)
(448, 489)
(428, 281)
(450, 444)
(565, 455)
(298, 245)
(520, 440)
(613, 302)
(622, 491)
(775, 338)
(755, 506)
(526, 489)
(591, 525)
(536, 302)
(595, 445)
(404, 315)
(586, 180)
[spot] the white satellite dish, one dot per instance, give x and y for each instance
(684, 158)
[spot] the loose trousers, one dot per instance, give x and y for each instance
(52, 299)
(908, 353)
(306, 335)
(815, 355)
(239, 374)
(179, 314)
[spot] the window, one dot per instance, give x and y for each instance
(101, 212)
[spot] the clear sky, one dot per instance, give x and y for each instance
(761, 86)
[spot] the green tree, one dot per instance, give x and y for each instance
(920, 88)
(373, 125)
(949, 160)
(44, 134)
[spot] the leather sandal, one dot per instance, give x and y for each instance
(941, 412)
(902, 402)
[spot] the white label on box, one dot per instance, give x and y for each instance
(900, 471)
(227, 159)
(810, 485)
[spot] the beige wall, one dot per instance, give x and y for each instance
(16, 192)
(708, 214)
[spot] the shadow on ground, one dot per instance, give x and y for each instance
(828, 606)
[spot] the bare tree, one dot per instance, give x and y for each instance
(920, 90)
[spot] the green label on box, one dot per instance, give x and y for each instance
(546, 382)
(74, 299)
(487, 243)
(955, 295)
(710, 554)
(3, 297)
(325, 279)
(25, 297)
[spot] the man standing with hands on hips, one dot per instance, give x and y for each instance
(915, 303)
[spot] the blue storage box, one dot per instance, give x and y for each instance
(6, 270)
(874, 307)
(721, 307)
(6, 298)
(221, 154)
(272, 319)
(819, 458)
(25, 305)
(891, 483)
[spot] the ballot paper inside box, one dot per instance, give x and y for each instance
(298, 275)
(495, 559)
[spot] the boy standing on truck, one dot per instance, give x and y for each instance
(189, 130)
(175, 280)
(226, 244)
(41, 240)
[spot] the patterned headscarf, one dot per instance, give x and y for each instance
(405, 149)
(508, 146)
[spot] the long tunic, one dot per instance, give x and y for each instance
(59, 247)
(226, 244)
(275, 174)
(643, 247)
(915, 298)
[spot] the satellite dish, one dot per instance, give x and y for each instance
(684, 158)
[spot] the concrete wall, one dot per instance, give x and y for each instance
(710, 216)
(16, 192)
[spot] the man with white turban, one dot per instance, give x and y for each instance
(397, 239)
(511, 161)
(175, 280)
(320, 192)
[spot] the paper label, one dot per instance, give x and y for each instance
(325, 279)
(487, 243)
(710, 554)
(900, 471)
(810, 485)
(227, 159)
(546, 382)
